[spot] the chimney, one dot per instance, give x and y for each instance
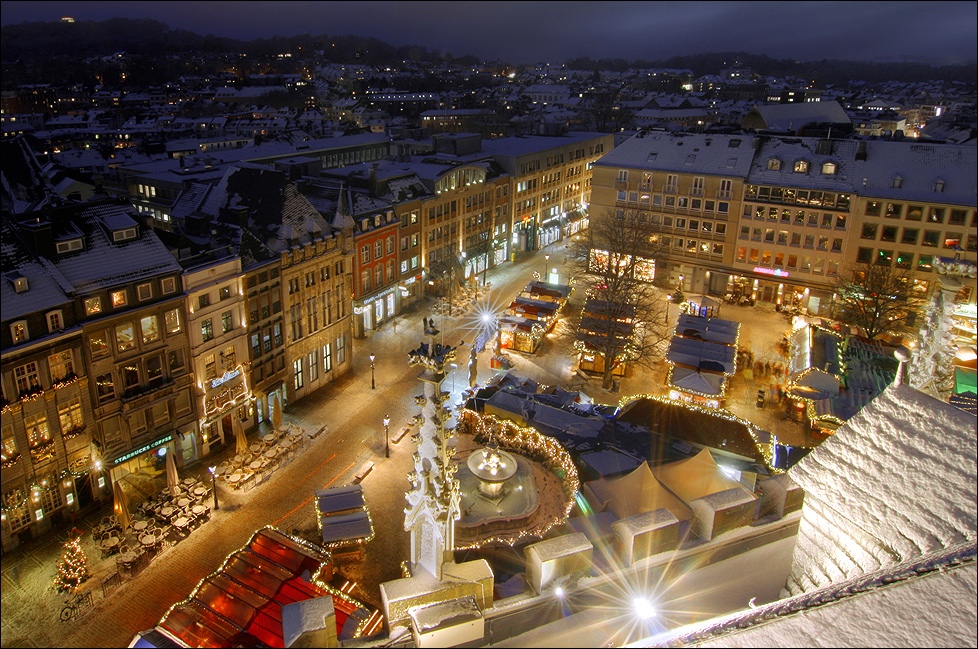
(42, 237)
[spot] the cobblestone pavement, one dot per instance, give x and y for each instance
(351, 412)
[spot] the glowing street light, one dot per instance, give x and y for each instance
(387, 435)
(373, 384)
(212, 469)
(546, 267)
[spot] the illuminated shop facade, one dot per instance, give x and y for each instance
(218, 330)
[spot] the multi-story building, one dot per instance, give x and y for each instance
(688, 187)
(131, 360)
(316, 274)
(916, 207)
(45, 408)
(266, 326)
(550, 180)
(794, 221)
(780, 217)
(217, 325)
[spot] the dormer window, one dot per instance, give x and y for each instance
(64, 247)
(897, 182)
(123, 235)
(119, 299)
(938, 185)
(774, 164)
(801, 166)
(828, 168)
(18, 331)
(19, 282)
(55, 322)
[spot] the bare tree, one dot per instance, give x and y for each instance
(877, 298)
(628, 319)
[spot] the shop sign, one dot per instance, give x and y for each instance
(224, 379)
(777, 272)
(142, 449)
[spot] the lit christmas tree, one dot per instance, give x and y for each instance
(73, 567)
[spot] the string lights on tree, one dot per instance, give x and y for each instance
(73, 567)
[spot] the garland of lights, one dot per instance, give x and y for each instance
(13, 502)
(340, 544)
(533, 444)
(766, 448)
(245, 396)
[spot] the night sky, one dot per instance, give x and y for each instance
(932, 32)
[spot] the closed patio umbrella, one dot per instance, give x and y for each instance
(121, 506)
(241, 442)
(276, 413)
(172, 477)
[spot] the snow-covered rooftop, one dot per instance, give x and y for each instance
(902, 473)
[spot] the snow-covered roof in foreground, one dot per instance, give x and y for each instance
(928, 603)
(902, 470)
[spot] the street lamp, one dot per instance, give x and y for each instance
(387, 435)
(212, 469)
(373, 384)
(546, 267)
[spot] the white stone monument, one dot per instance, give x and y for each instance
(433, 501)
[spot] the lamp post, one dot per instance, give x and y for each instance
(546, 267)
(212, 469)
(387, 435)
(373, 384)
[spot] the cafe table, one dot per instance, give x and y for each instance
(147, 540)
(200, 491)
(181, 522)
(198, 510)
(166, 512)
(139, 526)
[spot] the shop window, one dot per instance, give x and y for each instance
(952, 241)
(904, 260)
(884, 257)
(925, 263)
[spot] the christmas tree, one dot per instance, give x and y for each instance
(73, 567)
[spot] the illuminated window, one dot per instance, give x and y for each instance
(93, 305)
(801, 166)
(125, 337)
(118, 299)
(18, 331)
(172, 319)
(60, 365)
(150, 327)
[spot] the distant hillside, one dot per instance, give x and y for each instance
(85, 39)
(821, 72)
